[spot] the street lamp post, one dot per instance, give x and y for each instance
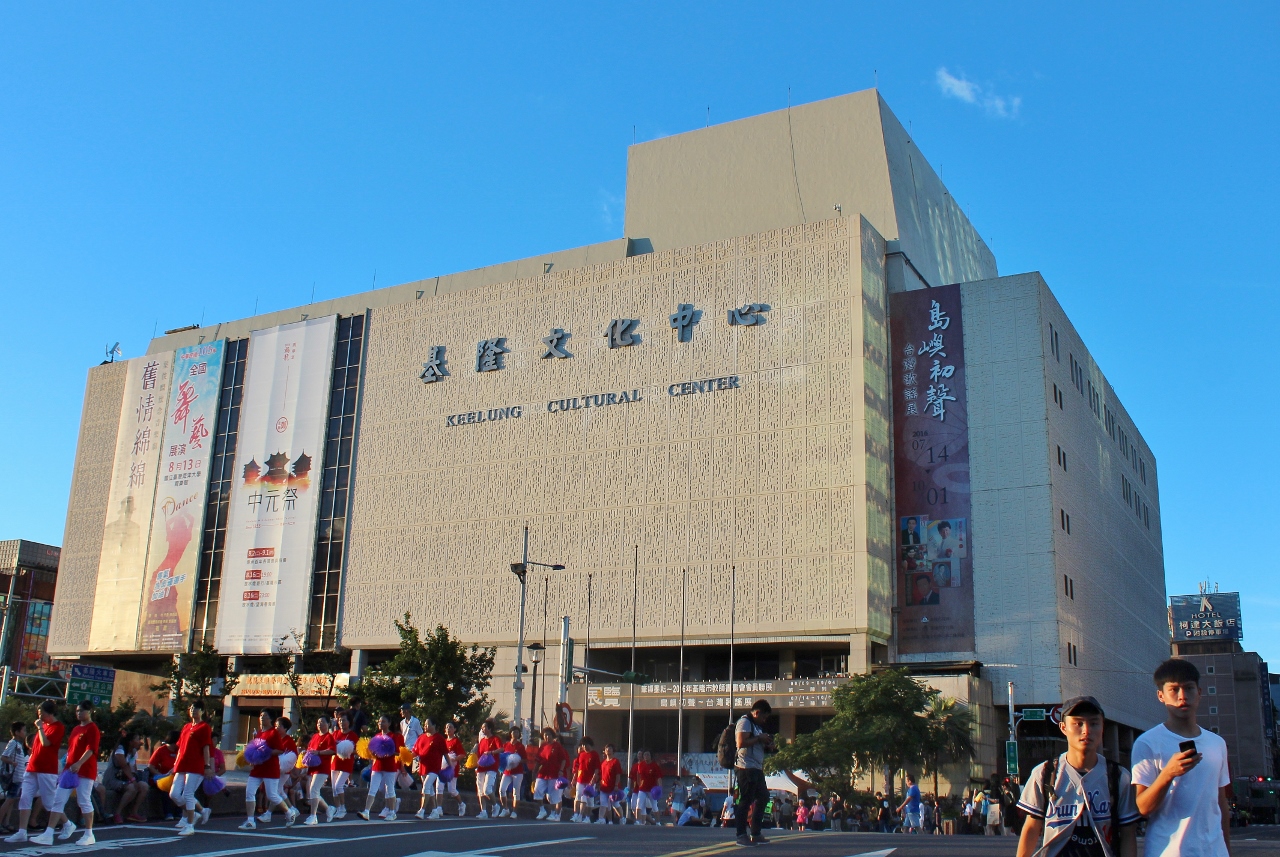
(535, 654)
(520, 569)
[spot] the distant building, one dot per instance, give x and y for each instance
(28, 577)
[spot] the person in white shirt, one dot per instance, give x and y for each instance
(1079, 804)
(1180, 770)
(410, 726)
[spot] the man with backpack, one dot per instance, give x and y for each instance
(1079, 804)
(750, 744)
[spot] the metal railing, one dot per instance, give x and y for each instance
(31, 686)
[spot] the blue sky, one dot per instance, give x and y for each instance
(161, 164)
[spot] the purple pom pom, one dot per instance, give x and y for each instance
(446, 774)
(69, 779)
(382, 746)
(213, 786)
(656, 792)
(257, 752)
(617, 797)
(588, 790)
(486, 761)
(312, 760)
(561, 783)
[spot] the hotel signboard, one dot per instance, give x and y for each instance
(1205, 618)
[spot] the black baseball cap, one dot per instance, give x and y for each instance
(1069, 707)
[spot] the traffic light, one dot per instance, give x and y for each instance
(631, 677)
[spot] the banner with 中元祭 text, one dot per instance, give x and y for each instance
(122, 565)
(275, 499)
(933, 552)
(174, 553)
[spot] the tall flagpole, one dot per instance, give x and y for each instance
(684, 581)
(586, 663)
(631, 706)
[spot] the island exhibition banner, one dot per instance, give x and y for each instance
(931, 472)
(271, 530)
(122, 566)
(174, 552)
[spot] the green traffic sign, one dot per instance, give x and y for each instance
(1033, 714)
(1011, 758)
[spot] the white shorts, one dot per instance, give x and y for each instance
(450, 787)
(84, 797)
(486, 781)
(184, 790)
(431, 784)
(641, 802)
(317, 783)
(339, 779)
(544, 788)
(45, 785)
(383, 781)
(270, 785)
(588, 802)
(510, 784)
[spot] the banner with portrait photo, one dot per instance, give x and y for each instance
(122, 566)
(271, 529)
(931, 472)
(168, 595)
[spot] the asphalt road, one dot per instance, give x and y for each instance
(472, 838)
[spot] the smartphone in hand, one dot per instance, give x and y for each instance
(1187, 746)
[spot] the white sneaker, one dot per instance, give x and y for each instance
(187, 830)
(482, 814)
(575, 818)
(330, 813)
(311, 821)
(87, 839)
(385, 812)
(601, 821)
(462, 809)
(391, 816)
(205, 814)
(420, 815)
(341, 813)
(436, 813)
(542, 813)
(364, 813)
(17, 836)
(506, 813)
(67, 830)
(291, 817)
(249, 824)
(265, 818)
(45, 837)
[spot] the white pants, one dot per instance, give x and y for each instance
(184, 789)
(271, 785)
(84, 797)
(510, 784)
(641, 802)
(380, 781)
(317, 783)
(45, 785)
(339, 781)
(587, 802)
(431, 785)
(450, 787)
(547, 788)
(485, 783)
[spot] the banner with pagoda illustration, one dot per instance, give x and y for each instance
(168, 594)
(122, 565)
(271, 529)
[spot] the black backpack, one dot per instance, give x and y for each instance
(1049, 775)
(727, 746)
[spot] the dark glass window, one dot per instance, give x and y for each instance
(331, 532)
(217, 506)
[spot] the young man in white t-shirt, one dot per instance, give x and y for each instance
(1068, 800)
(1180, 770)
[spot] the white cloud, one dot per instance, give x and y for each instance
(1004, 107)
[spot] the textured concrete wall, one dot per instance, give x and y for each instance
(86, 510)
(772, 477)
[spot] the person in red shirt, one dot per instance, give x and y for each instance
(553, 763)
(644, 776)
(456, 751)
(512, 775)
(487, 775)
(340, 775)
(292, 778)
(266, 775)
(82, 757)
(610, 782)
(192, 764)
(41, 776)
(385, 770)
(322, 744)
(430, 749)
(586, 771)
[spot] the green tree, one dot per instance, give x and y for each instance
(440, 676)
(310, 661)
(950, 740)
(880, 723)
(198, 676)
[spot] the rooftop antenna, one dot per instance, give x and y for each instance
(708, 115)
(313, 291)
(113, 352)
(633, 135)
(876, 73)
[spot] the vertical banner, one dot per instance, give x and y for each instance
(271, 529)
(122, 568)
(931, 472)
(174, 552)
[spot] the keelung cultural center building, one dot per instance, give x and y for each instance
(796, 407)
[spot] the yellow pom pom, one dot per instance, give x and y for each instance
(406, 756)
(362, 749)
(241, 761)
(164, 783)
(300, 762)
(472, 760)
